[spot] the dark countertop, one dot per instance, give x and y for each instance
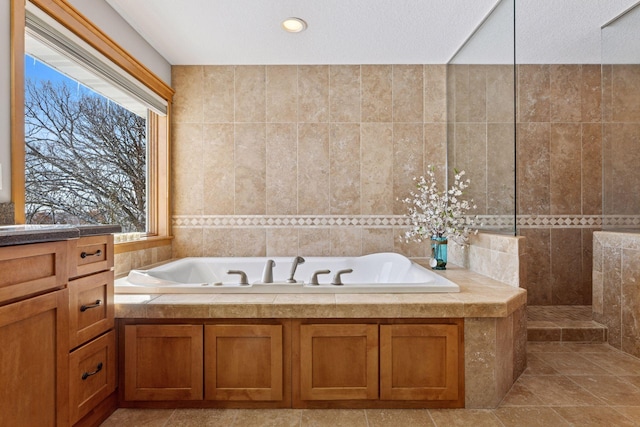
(24, 234)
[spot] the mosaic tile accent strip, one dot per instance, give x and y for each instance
(489, 222)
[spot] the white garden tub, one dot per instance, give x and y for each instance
(375, 273)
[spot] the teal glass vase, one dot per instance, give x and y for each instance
(438, 253)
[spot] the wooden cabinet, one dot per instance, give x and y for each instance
(33, 361)
(338, 362)
(90, 254)
(420, 362)
(378, 363)
(92, 374)
(90, 307)
(244, 362)
(163, 362)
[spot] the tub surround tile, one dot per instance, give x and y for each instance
(281, 94)
(218, 93)
(218, 146)
(313, 169)
(188, 98)
(313, 93)
(376, 93)
(408, 90)
(435, 93)
(499, 87)
(344, 93)
(344, 152)
(408, 161)
(376, 168)
(250, 170)
(282, 164)
(187, 168)
(375, 240)
(250, 93)
(282, 242)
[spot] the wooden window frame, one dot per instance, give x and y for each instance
(159, 220)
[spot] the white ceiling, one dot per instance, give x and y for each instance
(362, 31)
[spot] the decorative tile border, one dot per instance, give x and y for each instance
(489, 222)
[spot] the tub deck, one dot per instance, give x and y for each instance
(493, 312)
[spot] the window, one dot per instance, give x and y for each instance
(128, 106)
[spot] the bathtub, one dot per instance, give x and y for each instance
(375, 273)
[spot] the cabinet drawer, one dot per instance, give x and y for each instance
(90, 307)
(32, 269)
(90, 254)
(92, 375)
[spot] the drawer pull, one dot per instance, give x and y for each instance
(88, 374)
(83, 254)
(84, 308)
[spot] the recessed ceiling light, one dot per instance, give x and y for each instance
(294, 25)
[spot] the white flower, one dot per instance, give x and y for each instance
(438, 214)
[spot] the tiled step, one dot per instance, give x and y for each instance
(563, 323)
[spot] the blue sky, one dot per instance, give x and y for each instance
(37, 70)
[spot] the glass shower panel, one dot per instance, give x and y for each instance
(481, 118)
(621, 121)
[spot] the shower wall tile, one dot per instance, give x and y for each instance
(408, 90)
(376, 168)
(500, 89)
(187, 169)
(435, 93)
(566, 266)
(282, 169)
(250, 168)
(591, 169)
(591, 93)
(218, 149)
(534, 89)
(538, 284)
(565, 168)
(477, 93)
(313, 169)
(500, 169)
(607, 93)
(188, 98)
(408, 161)
(587, 265)
(218, 94)
(377, 95)
(630, 329)
(533, 168)
(250, 91)
(345, 168)
(344, 93)
(565, 93)
(461, 98)
(282, 94)
(625, 82)
(313, 93)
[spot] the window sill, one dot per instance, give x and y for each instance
(144, 243)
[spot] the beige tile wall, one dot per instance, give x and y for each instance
(616, 287)
(309, 160)
(559, 167)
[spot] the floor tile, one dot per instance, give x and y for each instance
(464, 418)
(138, 418)
(593, 416)
(536, 366)
(268, 418)
(519, 395)
(571, 364)
(202, 417)
(333, 418)
(612, 390)
(617, 363)
(631, 412)
(398, 417)
(558, 391)
(530, 417)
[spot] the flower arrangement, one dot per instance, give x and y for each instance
(439, 214)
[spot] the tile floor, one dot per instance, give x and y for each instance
(565, 384)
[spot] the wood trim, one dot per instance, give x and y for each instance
(17, 110)
(78, 24)
(146, 243)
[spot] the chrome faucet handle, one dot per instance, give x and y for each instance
(243, 276)
(337, 280)
(297, 260)
(267, 273)
(314, 278)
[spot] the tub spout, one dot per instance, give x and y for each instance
(314, 278)
(337, 280)
(267, 273)
(243, 276)
(297, 260)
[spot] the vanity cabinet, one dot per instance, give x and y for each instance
(34, 333)
(92, 342)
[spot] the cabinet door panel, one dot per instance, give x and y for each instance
(163, 362)
(244, 362)
(33, 362)
(338, 362)
(419, 362)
